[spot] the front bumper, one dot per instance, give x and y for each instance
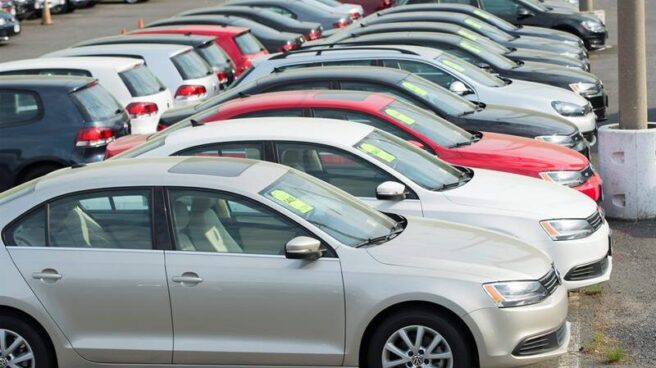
(499, 331)
(599, 104)
(595, 41)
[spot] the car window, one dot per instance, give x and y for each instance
(141, 81)
(213, 55)
(248, 44)
(371, 87)
(190, 65)
(301, 86)
(281, 11)
(119, 219)
(300, 112)
(457, 65)
(205, 221)
(250, 150)
(364, 119)
(341, 169)
(19, 107)
(501, 8)
(67, 72)
(96, 103)
(423, 70)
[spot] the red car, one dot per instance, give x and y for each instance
(237, 42)
(371, 6)
(474, 149)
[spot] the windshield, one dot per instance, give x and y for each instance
(337, 213)
(214, 56)
(248, 44)
(496, 21)
(191, 65)
(534, 5)
(445, 100)
(417, 165)
(488, 30)
(492, 45)
(495, 59)
(429, 125)
(461, 67)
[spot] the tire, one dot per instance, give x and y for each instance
(38, 172)
(12, 327)
(453, 341)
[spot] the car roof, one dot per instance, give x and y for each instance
(232, 30)
(359, 72)
(348, 51)
(437, 14)
(358, 100)
(68, 83)
(333, 132)
(133, 48)
(89, 63)
(155, 38)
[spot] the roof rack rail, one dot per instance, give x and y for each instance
(334, 47)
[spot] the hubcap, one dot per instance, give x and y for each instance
(417, 346)
(15, 352)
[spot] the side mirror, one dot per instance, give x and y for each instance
(417, 144)
(391, 191)
(460, 88)
(522, 12)
(303, 247)
(484, 66)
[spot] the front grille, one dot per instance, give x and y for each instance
(588, 271)
(596, 220)
(550, 281)
(543, 343)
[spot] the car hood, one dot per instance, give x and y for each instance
(575, 75)
(543, 91)
(461, 249)
(543, 44)
(541, 31)
(512, 193)
(532, 120)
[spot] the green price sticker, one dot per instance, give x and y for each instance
(471, 35)
(482, 14)
(468, 46)
(398, 115)
(415, 89)
(291, 201)
(471, 22)
(377, 152)
(453, 65)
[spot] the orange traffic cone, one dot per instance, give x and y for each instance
(124, 31)
(46, 18)
(140, 23)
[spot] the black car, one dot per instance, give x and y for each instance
(485, 29)
(484, 15)
(273, 40)
(411, 88)
(205, 46)
(579, 81)
(269, 18)
(364, 28)
(532, 13)
(47, 123)
(9, 26)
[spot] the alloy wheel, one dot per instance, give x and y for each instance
(15, 352)
(417, 346)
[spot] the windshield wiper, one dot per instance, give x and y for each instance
(396, 230)
(464, 178)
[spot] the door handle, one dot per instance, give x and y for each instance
(47, 275)
(188, 278)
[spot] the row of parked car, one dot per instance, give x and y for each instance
(347, 184)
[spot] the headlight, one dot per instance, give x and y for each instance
(593, 26)
(515, 293)
(567, 229)
(568, 109)
(585, 89)
(567, 178)
(561, 140)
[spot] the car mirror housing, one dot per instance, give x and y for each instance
(303, 247)
(460, 88)
(391, 191)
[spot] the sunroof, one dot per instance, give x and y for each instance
(225, 167)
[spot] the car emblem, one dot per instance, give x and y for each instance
(417, 360)
(3, 362)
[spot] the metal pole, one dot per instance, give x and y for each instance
(46, 19)
(585, 5)
(632, 63)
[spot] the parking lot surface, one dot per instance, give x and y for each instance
(619, 316)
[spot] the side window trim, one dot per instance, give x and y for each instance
(329, 251)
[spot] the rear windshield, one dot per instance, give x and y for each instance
(214, 56)
(248, 44)
(141, 81)
(191, 65)
(96, 103)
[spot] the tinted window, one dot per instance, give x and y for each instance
(191, 65)
(457, 65)
(18, 107)
(214, 222)
(96, 103)
(273, 113)
(248, 44)
(30, 231)
(214, 55)
(254, 151)
(300, 86)
(371, 87)
(423, 70)
(502, 8)
(364, 119)
(140, 81)
(281, 11)
(341, 169)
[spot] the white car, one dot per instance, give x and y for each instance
(179, 67)
(394, 176)
(448, 71)
(129, 80)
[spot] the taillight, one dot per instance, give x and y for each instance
(314, 34)
(355, 15)
(289, 46)
(223, 77)
(141, 109)
(341, 23)
(190, 91)
(94, 137)
(388, 3)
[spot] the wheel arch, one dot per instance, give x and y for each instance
(17, 313)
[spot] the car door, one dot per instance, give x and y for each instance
(90, 259)
(346, 171)
(236, 299)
